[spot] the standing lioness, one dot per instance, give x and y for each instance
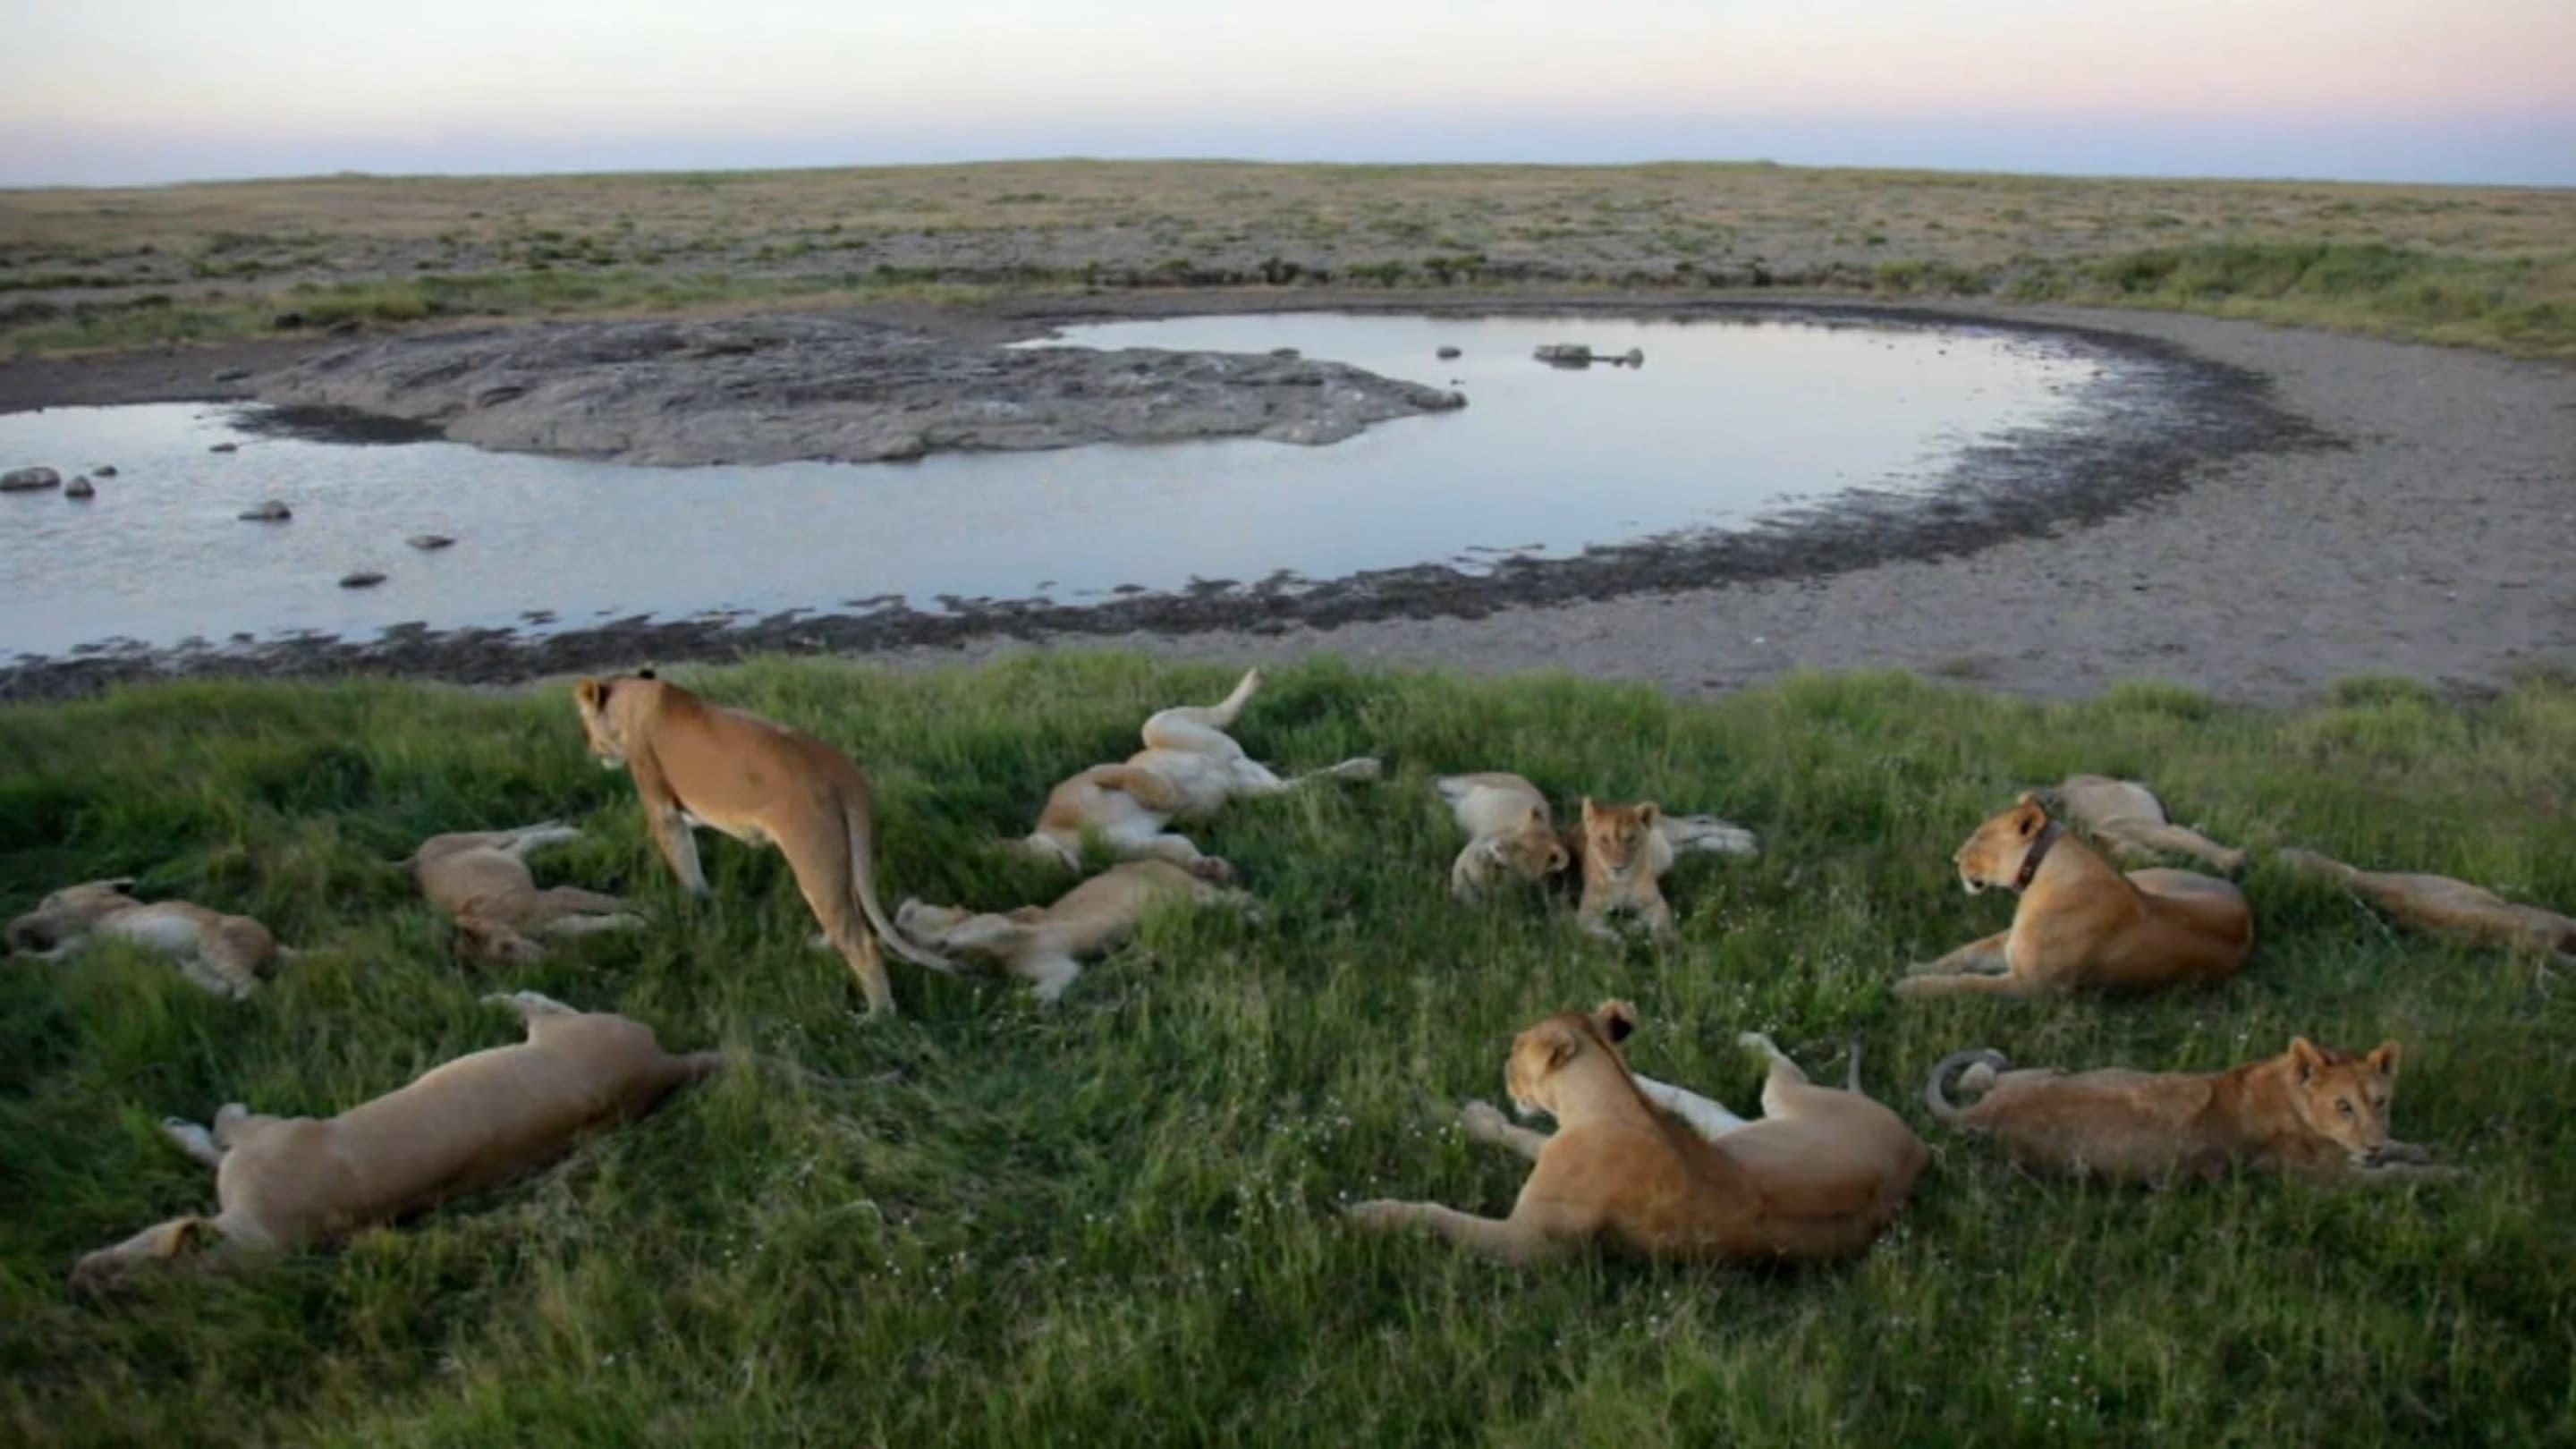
(763, 784)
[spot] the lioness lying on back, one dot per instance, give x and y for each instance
(2131, 820)
(2308, 1110)
(763, 784)
(2082, 924)
(482, 881)
(224, 954)
(1190, 767)
(1044, 947)
(1819, 1176)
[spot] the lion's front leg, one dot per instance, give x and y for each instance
(1501, 1239)
(1486, 1123)
(1977, 958)
(1972, 985)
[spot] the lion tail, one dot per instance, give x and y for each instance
(1934, 1095)
(863, 879)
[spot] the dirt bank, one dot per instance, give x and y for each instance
(2326, 506)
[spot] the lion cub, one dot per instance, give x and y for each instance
(2082, 924)
(2310, 1109)
(1623, 855)
(223, 954)
(1820, 1175)
(1045, 947)
(2131, 820)
(1509, 831)
(482, 881)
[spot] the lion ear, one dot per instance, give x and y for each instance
(2384, 1060)
(1591, 811)
(591, 692)
(123, 885)
(646, 673)
(2310, 1060)
(1646, 814)
(1562, 1041)
(1557, 858)
(1615, 1020)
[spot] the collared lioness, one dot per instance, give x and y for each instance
(2082, 924)
(1190, 767)
(481, 880)
(1045, 947)
(2439, 903)
(696, 764)
(1818, 1176)
(468, 1124)
(224, 954)
(2310, 1109)
(2131, 820)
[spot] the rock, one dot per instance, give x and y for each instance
(363, 579)
(225, 448)
(1445, 353)
(1576, 354)
(28, 480)
(1285, 352)
(231, 374)
(782, 388)
(427, 541)
(79, 488)
(103, 470)
(270, 511)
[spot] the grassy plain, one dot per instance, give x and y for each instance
(1116, 1223)
(85, 269)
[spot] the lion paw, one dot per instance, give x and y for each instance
(1378, 1215)
(1483, 1120)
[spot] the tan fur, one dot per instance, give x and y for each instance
(763, 784)
(289, 1182)
(2309, 1110)
(1623, 855)
(2439, 903)
(481, 880)
(1819, 1176)
(224, 954)
(1044, 947)
(2128, 817)
(2081, 924)
(1190, 767)
(1509, 832)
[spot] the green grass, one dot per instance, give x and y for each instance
(1117, 1222)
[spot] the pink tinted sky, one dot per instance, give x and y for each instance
(151, 90)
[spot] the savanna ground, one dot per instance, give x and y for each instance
(1118, 1222)
(92, 269)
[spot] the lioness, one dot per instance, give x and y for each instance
(469, 1124)
(224, 954)
(1818, 1176)
(761, 783)
(1510, 832)
(2439, 903)
(2310, 1110)
(2082, 924)
(482, 881)
(1190, 767)
(1044, 947)
(2128, 816)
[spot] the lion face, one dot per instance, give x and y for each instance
(601, 730)
(69, 912)
(2344, 1098)
(1615, 837)
(1532, 852)
(1541, 1054)
(1993, 856)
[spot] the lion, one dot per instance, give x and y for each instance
(1190, 767)
(2127, 816)
(2081, 924)
(1819, 1176)
(481, 880)
(2439, 903)
(223, 954)
(1623, 854)
(472, 1123)
(1044, 947)
(763, 784)
(1510, 832)
(2310, 1110)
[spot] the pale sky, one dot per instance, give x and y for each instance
(121, 91)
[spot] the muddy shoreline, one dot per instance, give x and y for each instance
(2332, 471)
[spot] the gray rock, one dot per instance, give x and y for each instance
(225, 448)
(1284, 352)
(427, 541)
(363, 579)
(79, 487)
(28, 480)
(780, 388)
(1576, 354)
(103, 470)
(1445, 353)
(231, 374)
(270, 511)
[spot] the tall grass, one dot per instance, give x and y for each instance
(1117, 1222)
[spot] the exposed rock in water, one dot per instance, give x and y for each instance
(1446, 353)
(1576, 354)
(225, 448)
(80, 488)
(427, 541)
(103, 470)
(780, 388)
(362, 579)
(271, 511)
(28, 480)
